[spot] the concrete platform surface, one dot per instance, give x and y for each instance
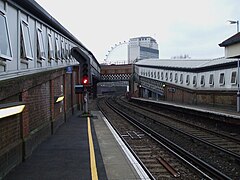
(68, 154)
(64, 155)
(118, 161)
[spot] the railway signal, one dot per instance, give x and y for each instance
(85, 72)
(85, 66)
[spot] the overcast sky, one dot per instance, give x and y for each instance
(193, 27)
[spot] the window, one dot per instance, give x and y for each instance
(211, 80)
(221, 79)
(63, 49)
(194, 80)
(151, 74)
(166, 76)
(202, 82)
(158, 75)
(5, 45)
(171, 77)
(57, 49)
(67, 51)
(176, 77)
(70, 55)
(40, 50)
(162, 77)
(26, 47)
(234, 77)
(155, 74)
(50, 48)
(181, 78)
(187, 79)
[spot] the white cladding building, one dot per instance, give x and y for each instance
(142, 48)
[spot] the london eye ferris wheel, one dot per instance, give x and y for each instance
(118, 54)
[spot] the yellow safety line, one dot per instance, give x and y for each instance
(92, 154)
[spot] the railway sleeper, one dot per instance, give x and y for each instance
(158, 170)
(145, 153)
(142, 149)
(148, 161)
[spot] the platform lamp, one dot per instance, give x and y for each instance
(238, 90)
(11, 109)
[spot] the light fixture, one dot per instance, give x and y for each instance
(235, 22)
(10, 109)
(59, 99)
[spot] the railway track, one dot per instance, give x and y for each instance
(212, 137)
(160, 159)
(225, 160)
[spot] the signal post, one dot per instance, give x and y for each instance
(85, 77)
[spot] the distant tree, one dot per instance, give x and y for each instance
(182, 56)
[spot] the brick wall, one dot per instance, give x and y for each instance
(38, 102)
(20, 134)
(205, 98)
(214, 98)
(36, 116)
(68, 93)
(58, 90)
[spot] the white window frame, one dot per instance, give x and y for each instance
(50, 48)
(70, 47)
(26, 40)
(162, 75)
(181, 78)
(211, 79)
(223, 79)
(4, 56)
(235, 80)
(171, 76)
(194, 80)
(66, 50)
(41, 48)
(166, 76)
(176, 77)
(187, 79)
(202, 80)
(57, 48)
(62, 49)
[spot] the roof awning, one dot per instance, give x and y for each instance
(79, 55)
(230, 41)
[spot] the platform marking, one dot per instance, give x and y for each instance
(92, 153)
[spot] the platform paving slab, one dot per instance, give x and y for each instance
(64, 155)
(116, 163)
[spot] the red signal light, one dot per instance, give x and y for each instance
(85, 80)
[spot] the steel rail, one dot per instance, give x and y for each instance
(235, 155)
(185, 155)
(125, 142)
(194, 125)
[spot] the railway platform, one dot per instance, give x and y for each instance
(222, 114)
(82, 148)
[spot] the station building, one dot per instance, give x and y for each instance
(192, 81)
